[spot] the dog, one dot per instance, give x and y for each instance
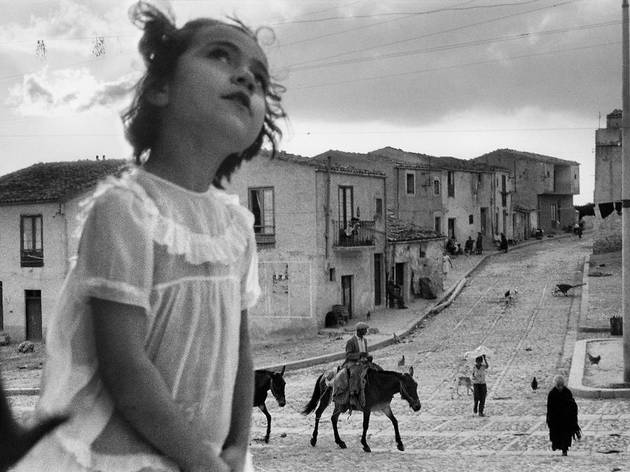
(463, 380)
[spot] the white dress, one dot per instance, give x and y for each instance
(189, 259)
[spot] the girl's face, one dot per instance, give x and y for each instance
(219, 87)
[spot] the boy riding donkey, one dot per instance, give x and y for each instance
(349, 383)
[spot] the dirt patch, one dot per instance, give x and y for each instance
(608, 372)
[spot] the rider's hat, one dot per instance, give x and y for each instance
(362, 325)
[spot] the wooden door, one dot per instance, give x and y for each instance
(33, 302)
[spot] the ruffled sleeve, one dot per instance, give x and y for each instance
(250, 288)
(115, 257)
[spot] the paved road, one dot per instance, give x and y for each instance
(531, 338)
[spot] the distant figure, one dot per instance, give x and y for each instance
(447, 265)
(468, 246)
(394, 292)
(562, 416)
(503, 245)
(580, 228)
(451, 247)
(357, 359)
(480, 389)
(479, 244)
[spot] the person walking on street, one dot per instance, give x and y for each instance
(562, 416)
(479, 244)
(480, 390)
(504, 243)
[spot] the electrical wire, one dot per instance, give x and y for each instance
(447, 47)
(454, 66)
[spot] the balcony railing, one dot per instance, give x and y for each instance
(353, 234)
(265, 235)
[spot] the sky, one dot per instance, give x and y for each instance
(442, 77)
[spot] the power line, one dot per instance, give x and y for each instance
(427, 35)
(455, 66)
(430, 34)
(408, 13)
(447, 47)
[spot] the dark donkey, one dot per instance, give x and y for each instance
(380, 387)
(264, 381)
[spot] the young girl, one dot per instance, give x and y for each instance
(149, 348)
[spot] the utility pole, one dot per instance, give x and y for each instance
(625, 193)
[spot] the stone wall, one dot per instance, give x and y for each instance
(607, 233)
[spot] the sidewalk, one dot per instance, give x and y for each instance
(601, 299)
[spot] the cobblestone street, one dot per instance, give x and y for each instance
(534, 337)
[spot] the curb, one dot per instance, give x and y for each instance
(577, 372)
(335, 356)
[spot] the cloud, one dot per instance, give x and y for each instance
(66, 92)
(66, 26)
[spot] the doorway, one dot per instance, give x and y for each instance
(33, 304)
(483, 221)
(451, 228)
(346, 293)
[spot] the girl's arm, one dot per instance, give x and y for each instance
(236, 444)
(139, 392)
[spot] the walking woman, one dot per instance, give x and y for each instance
(562, 416)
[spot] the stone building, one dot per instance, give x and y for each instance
(320, 230)
(453, 197)
(39, 206)
(543, 189)
(607, 193)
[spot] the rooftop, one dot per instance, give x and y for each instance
(513, 154)
(56, 181)
(400, 230)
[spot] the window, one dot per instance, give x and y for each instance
(503, 191)
(261, 205)
(410, 178)
(436, 186)
(451, 183)
(379, 209)
(554, 212)
(470, 219)
(346, 203)
(31, 248)
(438, 224)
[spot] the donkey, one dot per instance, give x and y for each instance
(380, 388)
(265, 380)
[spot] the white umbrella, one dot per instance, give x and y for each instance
(478, 351)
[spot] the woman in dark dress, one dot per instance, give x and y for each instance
(562, 416)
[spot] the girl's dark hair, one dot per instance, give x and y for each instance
(161, 46)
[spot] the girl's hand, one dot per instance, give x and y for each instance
(234, 457)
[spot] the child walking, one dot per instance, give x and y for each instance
(148, 349)
(480, 389)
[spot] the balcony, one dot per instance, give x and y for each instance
(359, 234)
(265, 235)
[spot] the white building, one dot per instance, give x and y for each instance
(38, 235)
